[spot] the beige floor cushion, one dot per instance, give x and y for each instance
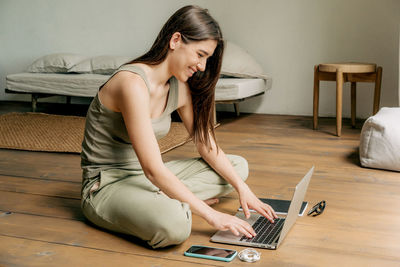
(380, 140)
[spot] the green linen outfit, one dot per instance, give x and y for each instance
(126, 201)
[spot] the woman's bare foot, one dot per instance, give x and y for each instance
(211, 201)
(95, 186)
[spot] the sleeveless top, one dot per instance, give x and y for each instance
(106, 144)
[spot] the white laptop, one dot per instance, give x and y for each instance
(269, 235)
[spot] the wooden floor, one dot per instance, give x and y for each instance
(41, 223)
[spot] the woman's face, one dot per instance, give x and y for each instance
(189, 58)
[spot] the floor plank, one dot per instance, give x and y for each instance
(25, 252)
(39, 186)
(52, 166)
(59, 207)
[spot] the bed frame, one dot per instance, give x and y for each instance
(36, 96)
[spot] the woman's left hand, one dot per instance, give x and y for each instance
(249, 201)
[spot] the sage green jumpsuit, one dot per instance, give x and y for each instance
(126, 201)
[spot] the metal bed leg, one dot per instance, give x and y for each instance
(237, 109)
(34, 102)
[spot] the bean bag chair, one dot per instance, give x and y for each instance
(380, 140)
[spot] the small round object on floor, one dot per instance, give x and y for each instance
(249, 255)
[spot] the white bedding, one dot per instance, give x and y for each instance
(87, 85)
(238, 88)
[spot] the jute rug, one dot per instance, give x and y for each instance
(57, 133)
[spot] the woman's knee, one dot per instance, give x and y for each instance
(173, 230)
(172, 233)
(241, 165)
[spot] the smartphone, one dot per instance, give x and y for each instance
(219, 254)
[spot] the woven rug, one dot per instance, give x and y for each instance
(57, 133)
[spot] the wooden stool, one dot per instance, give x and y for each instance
(346, 72)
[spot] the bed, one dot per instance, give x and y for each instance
(69, 75)
(228, 90)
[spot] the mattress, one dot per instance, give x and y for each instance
(240, 88)
(87, 85)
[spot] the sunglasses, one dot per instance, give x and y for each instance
(317, 209)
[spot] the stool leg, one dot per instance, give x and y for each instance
(316, 97)
(377, 93)
(339, 97)
(353, 103)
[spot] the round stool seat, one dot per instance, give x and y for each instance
(348, 67)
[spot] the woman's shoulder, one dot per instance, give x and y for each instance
(134, 67)
(125, 78)
(124, 84)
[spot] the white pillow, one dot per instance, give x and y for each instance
(101, 64)
(238, 63)
(59, 63)
(380, 140)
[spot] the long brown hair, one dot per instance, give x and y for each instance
(194, 24)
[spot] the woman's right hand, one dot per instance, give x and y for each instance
(224, 222)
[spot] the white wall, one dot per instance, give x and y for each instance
(287, 37)
(290, 37)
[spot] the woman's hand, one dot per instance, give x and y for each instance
(249, 201)
(224, 222)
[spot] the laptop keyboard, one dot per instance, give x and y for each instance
(265, 230)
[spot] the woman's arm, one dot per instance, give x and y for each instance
(221, 164)
(133, 101)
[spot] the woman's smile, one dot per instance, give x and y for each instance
(192, 71)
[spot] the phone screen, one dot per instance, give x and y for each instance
(216, 252)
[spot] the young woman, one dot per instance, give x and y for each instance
(126, 186)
